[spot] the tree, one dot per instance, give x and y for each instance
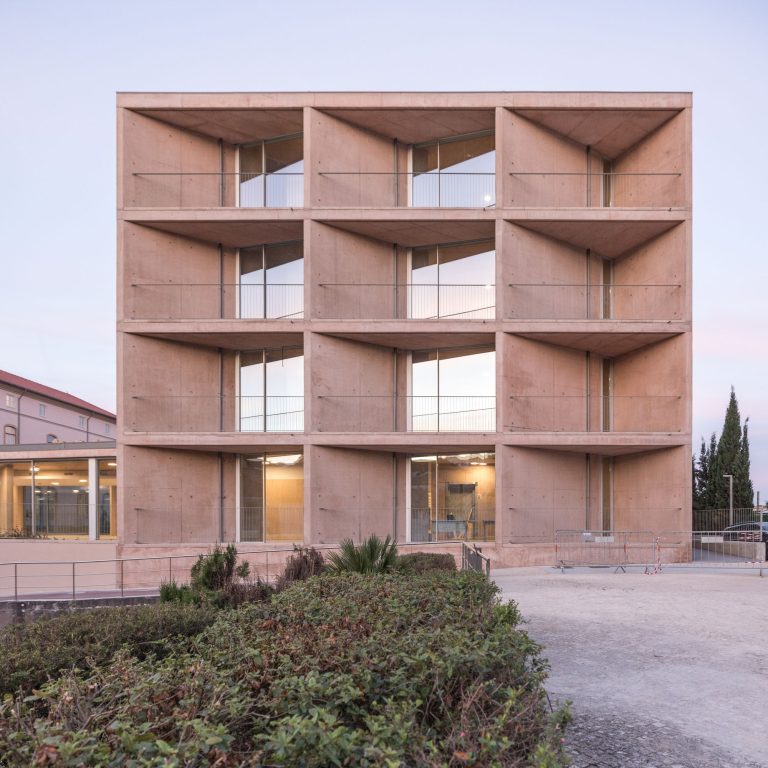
(728, 455)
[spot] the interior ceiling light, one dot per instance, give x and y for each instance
(83, 481)
(424, 458)
(294, 458)
(111, 463)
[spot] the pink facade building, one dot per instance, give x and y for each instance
(438, 316)
(58, 473)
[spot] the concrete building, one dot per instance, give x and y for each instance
(437, 316)
(58, 473)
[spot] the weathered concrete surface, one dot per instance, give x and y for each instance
(663, 670)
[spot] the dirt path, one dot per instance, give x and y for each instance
(662, 670)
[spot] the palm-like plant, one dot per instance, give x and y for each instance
(372, 556)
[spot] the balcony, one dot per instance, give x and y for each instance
(595, 413)
(217, 190)
(534, 189)
(215, 301)
(405, 413)
(374, 189)
(561, 301)
(215, 413)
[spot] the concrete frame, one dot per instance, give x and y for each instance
(553, 232)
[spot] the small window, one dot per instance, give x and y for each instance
(106, 428)
(81, 421)
(51, 438)
(10, 401)
(41, 410)
(9, 435)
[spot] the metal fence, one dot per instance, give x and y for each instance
(660, 550)
(720, 519)
(136, 577)
(472, 559)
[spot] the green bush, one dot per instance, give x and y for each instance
(372, 556)
(424, 562)
(31, 653)
(217, 579)
(345, 670)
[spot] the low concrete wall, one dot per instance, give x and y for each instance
(30, 610)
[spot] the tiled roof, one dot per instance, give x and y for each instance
(19, 382)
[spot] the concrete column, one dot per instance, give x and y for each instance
(93, 499)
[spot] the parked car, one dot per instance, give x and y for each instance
(746, 532)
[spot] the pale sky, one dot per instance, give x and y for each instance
(62, 62)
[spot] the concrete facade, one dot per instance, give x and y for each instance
(586, 318)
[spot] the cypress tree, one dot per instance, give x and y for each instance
(743, 493)
(728, 455)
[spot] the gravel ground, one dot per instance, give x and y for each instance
(667, 670)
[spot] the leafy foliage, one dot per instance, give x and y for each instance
(372, 556)
(217, 578)
(302, 564)
(31, 653)
(345, 670)
(423, 562)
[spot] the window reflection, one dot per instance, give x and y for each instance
(455, 173)
(271, 173)
(272, 281)
(453, 497)
(272, 390)
(455, 280)
(440, 382)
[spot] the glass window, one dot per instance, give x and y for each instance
(81, 422)
(453, 497)
(10, 401)
(41, 410)
(272, 173)
(272, 390)
(455, 280)
(9, 435)
(46, 498)
(107, 504)
(272, 497)
(107, 428)
(453, 390)
(51, 438)
(272, 281)
(458, 172)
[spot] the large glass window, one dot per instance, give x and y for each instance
(9, 435)
(272, 390)
(453, 390)
(453, 497)
(272, 173)
(107, 509)
(272, 497)
(456, 280)
(459, 172)
(272, 281)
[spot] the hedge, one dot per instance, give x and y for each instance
(344, 670)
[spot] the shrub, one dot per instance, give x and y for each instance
(31, 653)
(302, 564)
(423, 562)
(216, 578)
(348, 669)
(372, 556)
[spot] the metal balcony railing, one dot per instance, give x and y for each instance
(161, 189)
(441, 524)
(418, 301)
(416, 190)
(208, 301)
(608, 190)
(577, 301)
(43, 519)
(405, 413)
(595, 413)
(215, 413)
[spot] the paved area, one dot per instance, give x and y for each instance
(667, 670)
